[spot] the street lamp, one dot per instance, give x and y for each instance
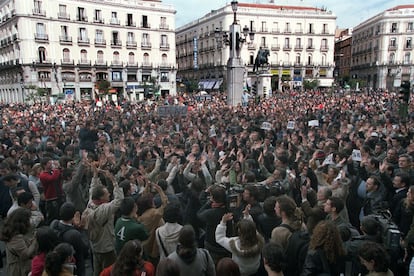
(235, 68)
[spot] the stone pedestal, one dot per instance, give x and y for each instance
(263, 82)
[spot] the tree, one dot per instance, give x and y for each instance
(103, 86)
(310, 84)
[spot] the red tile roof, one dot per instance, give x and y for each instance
(400, 7)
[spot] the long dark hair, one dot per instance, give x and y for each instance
(246, 230)
(17, 223)
(129, 259)
(326, 237)
(57, 258)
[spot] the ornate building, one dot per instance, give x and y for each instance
(63, 48)
(300, 41)
(382, 49)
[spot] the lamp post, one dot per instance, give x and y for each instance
(235, 67)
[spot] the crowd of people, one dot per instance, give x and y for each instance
(303, 183)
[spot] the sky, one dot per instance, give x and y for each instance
(349, 12)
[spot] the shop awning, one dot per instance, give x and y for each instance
(218, 83)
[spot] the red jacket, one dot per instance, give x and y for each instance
(148, 267)
(50, 181)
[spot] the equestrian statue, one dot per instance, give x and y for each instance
(261, 58)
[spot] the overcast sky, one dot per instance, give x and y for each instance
(349, 12)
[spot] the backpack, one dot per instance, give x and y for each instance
(296, 250)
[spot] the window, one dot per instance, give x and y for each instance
(287, 45)
(41, 53)
(62, 11)
(116, 76)
(297, 59)
(323, 62)
(325, 28)
(164, 58)
(298, 43)
(66, 55)
(115, 38)
(392, 58)
(163, 22)
(114, 18)
(98, 16)
(131, 58)
(164, 77)
(83, 36)
(263, 41)
(310, 43)
(130, 37)
(264, 27)
(37, 5)
(116, 57)
(287, 28)
(275, 27)
(310, 30)
(287, 58)
(309, 60)
(100, 57)
(40, 29)
(64, 31)
(394, 27)
(409, 26)
(145, 39)
(408, 43)
(299, 28)
(84, 56)
(81, 14)
(146, 58)
(130, 21)
(164, 41)
(393, 42)
(144, 22)
(407, 58)
(99, 36)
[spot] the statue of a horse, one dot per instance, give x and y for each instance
(261, 59)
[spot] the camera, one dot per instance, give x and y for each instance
(390, 233)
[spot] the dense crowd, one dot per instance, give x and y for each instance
(303, 183)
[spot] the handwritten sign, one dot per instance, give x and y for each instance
(291, 125)
(356, 155)
(172, 111)
(313, 123)
(266, 126)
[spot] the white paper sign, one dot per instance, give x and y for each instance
(291, 125)
(313, 123)
(266, 126)
(328, 160)
(356, 155)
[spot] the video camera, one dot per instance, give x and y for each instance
(390, 233)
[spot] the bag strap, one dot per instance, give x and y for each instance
(287, 227)
(162, 244)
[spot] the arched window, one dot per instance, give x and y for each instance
(146, 59)
(66, 55)
(392, 58)
(84, 56)
(297, 59)
(323, 60)
(41, 54)
(131, 58)
(164, 59)
(407, 58)
(100, 57)
(309, 60)
(116, 57)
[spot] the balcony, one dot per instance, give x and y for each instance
(63, 15)
(116, 43)
(251, 46)
(164, 27)
(117, 63)
(324, 48)
(287, 48)
(164, 46)
(84, 63)
(67, 61)
(41, 37)
(82, 18)
(39, 12)
(145, 25)
(310, 48)
(275, 30)
(100, 42)
(275, 47)
(325, 32)
(298, 31)
(146, 46)
(298, 47)
(311, 32)
(287, 31)
(43, 61)
(131, 44)
(65, 40)
(101, 63)
(99, 20)
(130, 23)
(115, 21)
(84, 41)
(264, 30)
(132, 65)
(146, 65)
(408, 47)
(392, 47)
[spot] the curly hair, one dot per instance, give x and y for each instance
(129, 259)
(326, 237)
(292, 212)
(17, 223)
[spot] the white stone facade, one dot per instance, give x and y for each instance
(65, 46)
(300, 41)
(382, 49)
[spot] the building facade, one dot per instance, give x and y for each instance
(300, 41)
(74, 49)
(343, 57)
(382, 49)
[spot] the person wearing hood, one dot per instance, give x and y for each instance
(167, 235)
(190, 259)
(246, 247)
(67, 231)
